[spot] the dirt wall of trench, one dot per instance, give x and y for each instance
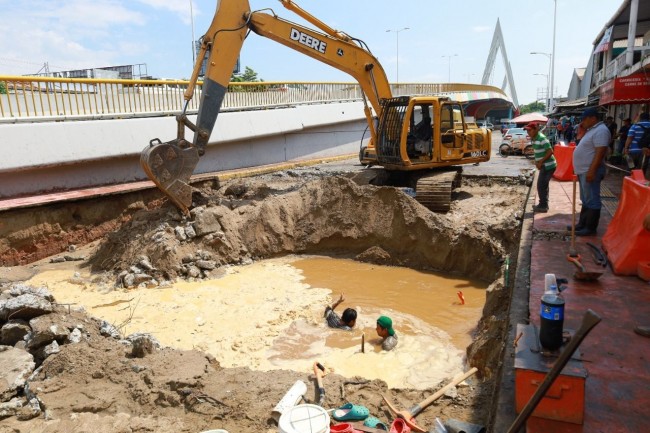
(34, 233)
(333, 215)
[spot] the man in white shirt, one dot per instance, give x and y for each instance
(589, 166)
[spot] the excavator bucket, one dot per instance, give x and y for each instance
(170, 165)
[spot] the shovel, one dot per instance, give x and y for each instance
(408, 415)
(581, 273)
(319, 372)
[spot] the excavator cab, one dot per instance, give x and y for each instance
(419, 141)
(424, 132)
(430, 135)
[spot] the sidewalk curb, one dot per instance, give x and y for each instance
(504, 410)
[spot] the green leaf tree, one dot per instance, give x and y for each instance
(248, 76)
(533, 107)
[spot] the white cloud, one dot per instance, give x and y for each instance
(181, 7)
(68, 35)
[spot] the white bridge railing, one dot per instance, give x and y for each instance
(48, 99)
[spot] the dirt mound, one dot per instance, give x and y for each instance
(333, 215)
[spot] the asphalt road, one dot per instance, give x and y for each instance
(511, 166)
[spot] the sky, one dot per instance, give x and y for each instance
(445, 41)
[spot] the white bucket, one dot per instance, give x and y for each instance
(305, 418)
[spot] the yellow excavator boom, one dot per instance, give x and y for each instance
(171, 164)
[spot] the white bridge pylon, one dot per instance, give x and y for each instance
(508, 80)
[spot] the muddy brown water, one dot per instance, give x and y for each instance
(269, 315)
(429, 296)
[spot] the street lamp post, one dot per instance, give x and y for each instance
(396, 31)
(193, 43)
(469, 77)
(549, 77)
(449, 57)
(553, 55)
(551, 58)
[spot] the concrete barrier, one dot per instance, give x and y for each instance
(58, 156)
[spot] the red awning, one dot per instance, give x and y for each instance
(633, 89)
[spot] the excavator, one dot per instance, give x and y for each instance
(408, 134)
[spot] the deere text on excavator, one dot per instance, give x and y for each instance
(407, 133)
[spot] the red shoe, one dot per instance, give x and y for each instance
(399, 426)
(344, 427)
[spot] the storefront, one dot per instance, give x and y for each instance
(633, 89)
(626, 96)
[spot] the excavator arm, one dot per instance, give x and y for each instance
(170, 165)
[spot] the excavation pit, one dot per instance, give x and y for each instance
(266, 222)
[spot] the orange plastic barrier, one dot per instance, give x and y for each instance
(564, 158)
(626, 242)
(637, 175)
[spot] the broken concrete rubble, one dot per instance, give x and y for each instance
(25, 306)
(35, 340)
(15, 367)
(13, 331)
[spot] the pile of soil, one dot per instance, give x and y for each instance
(97, 385)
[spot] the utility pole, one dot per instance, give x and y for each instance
(397, 43)
(552, 103)
(449, 72)
(193, 40)
(549, 77)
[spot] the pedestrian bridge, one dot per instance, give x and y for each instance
(61, 133)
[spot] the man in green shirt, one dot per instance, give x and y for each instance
(545, 163)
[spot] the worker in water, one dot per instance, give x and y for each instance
(346, 322)
(385, 330)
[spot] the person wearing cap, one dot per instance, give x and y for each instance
(545, 163)
(589, 166)
(346, 322)
(385, 330)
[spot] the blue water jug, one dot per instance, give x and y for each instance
(552, 319)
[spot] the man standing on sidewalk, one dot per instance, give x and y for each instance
(545, 163)
(589, 166)
(633, 145)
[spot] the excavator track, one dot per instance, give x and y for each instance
(434, 190)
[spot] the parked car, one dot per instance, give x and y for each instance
(516, 142)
